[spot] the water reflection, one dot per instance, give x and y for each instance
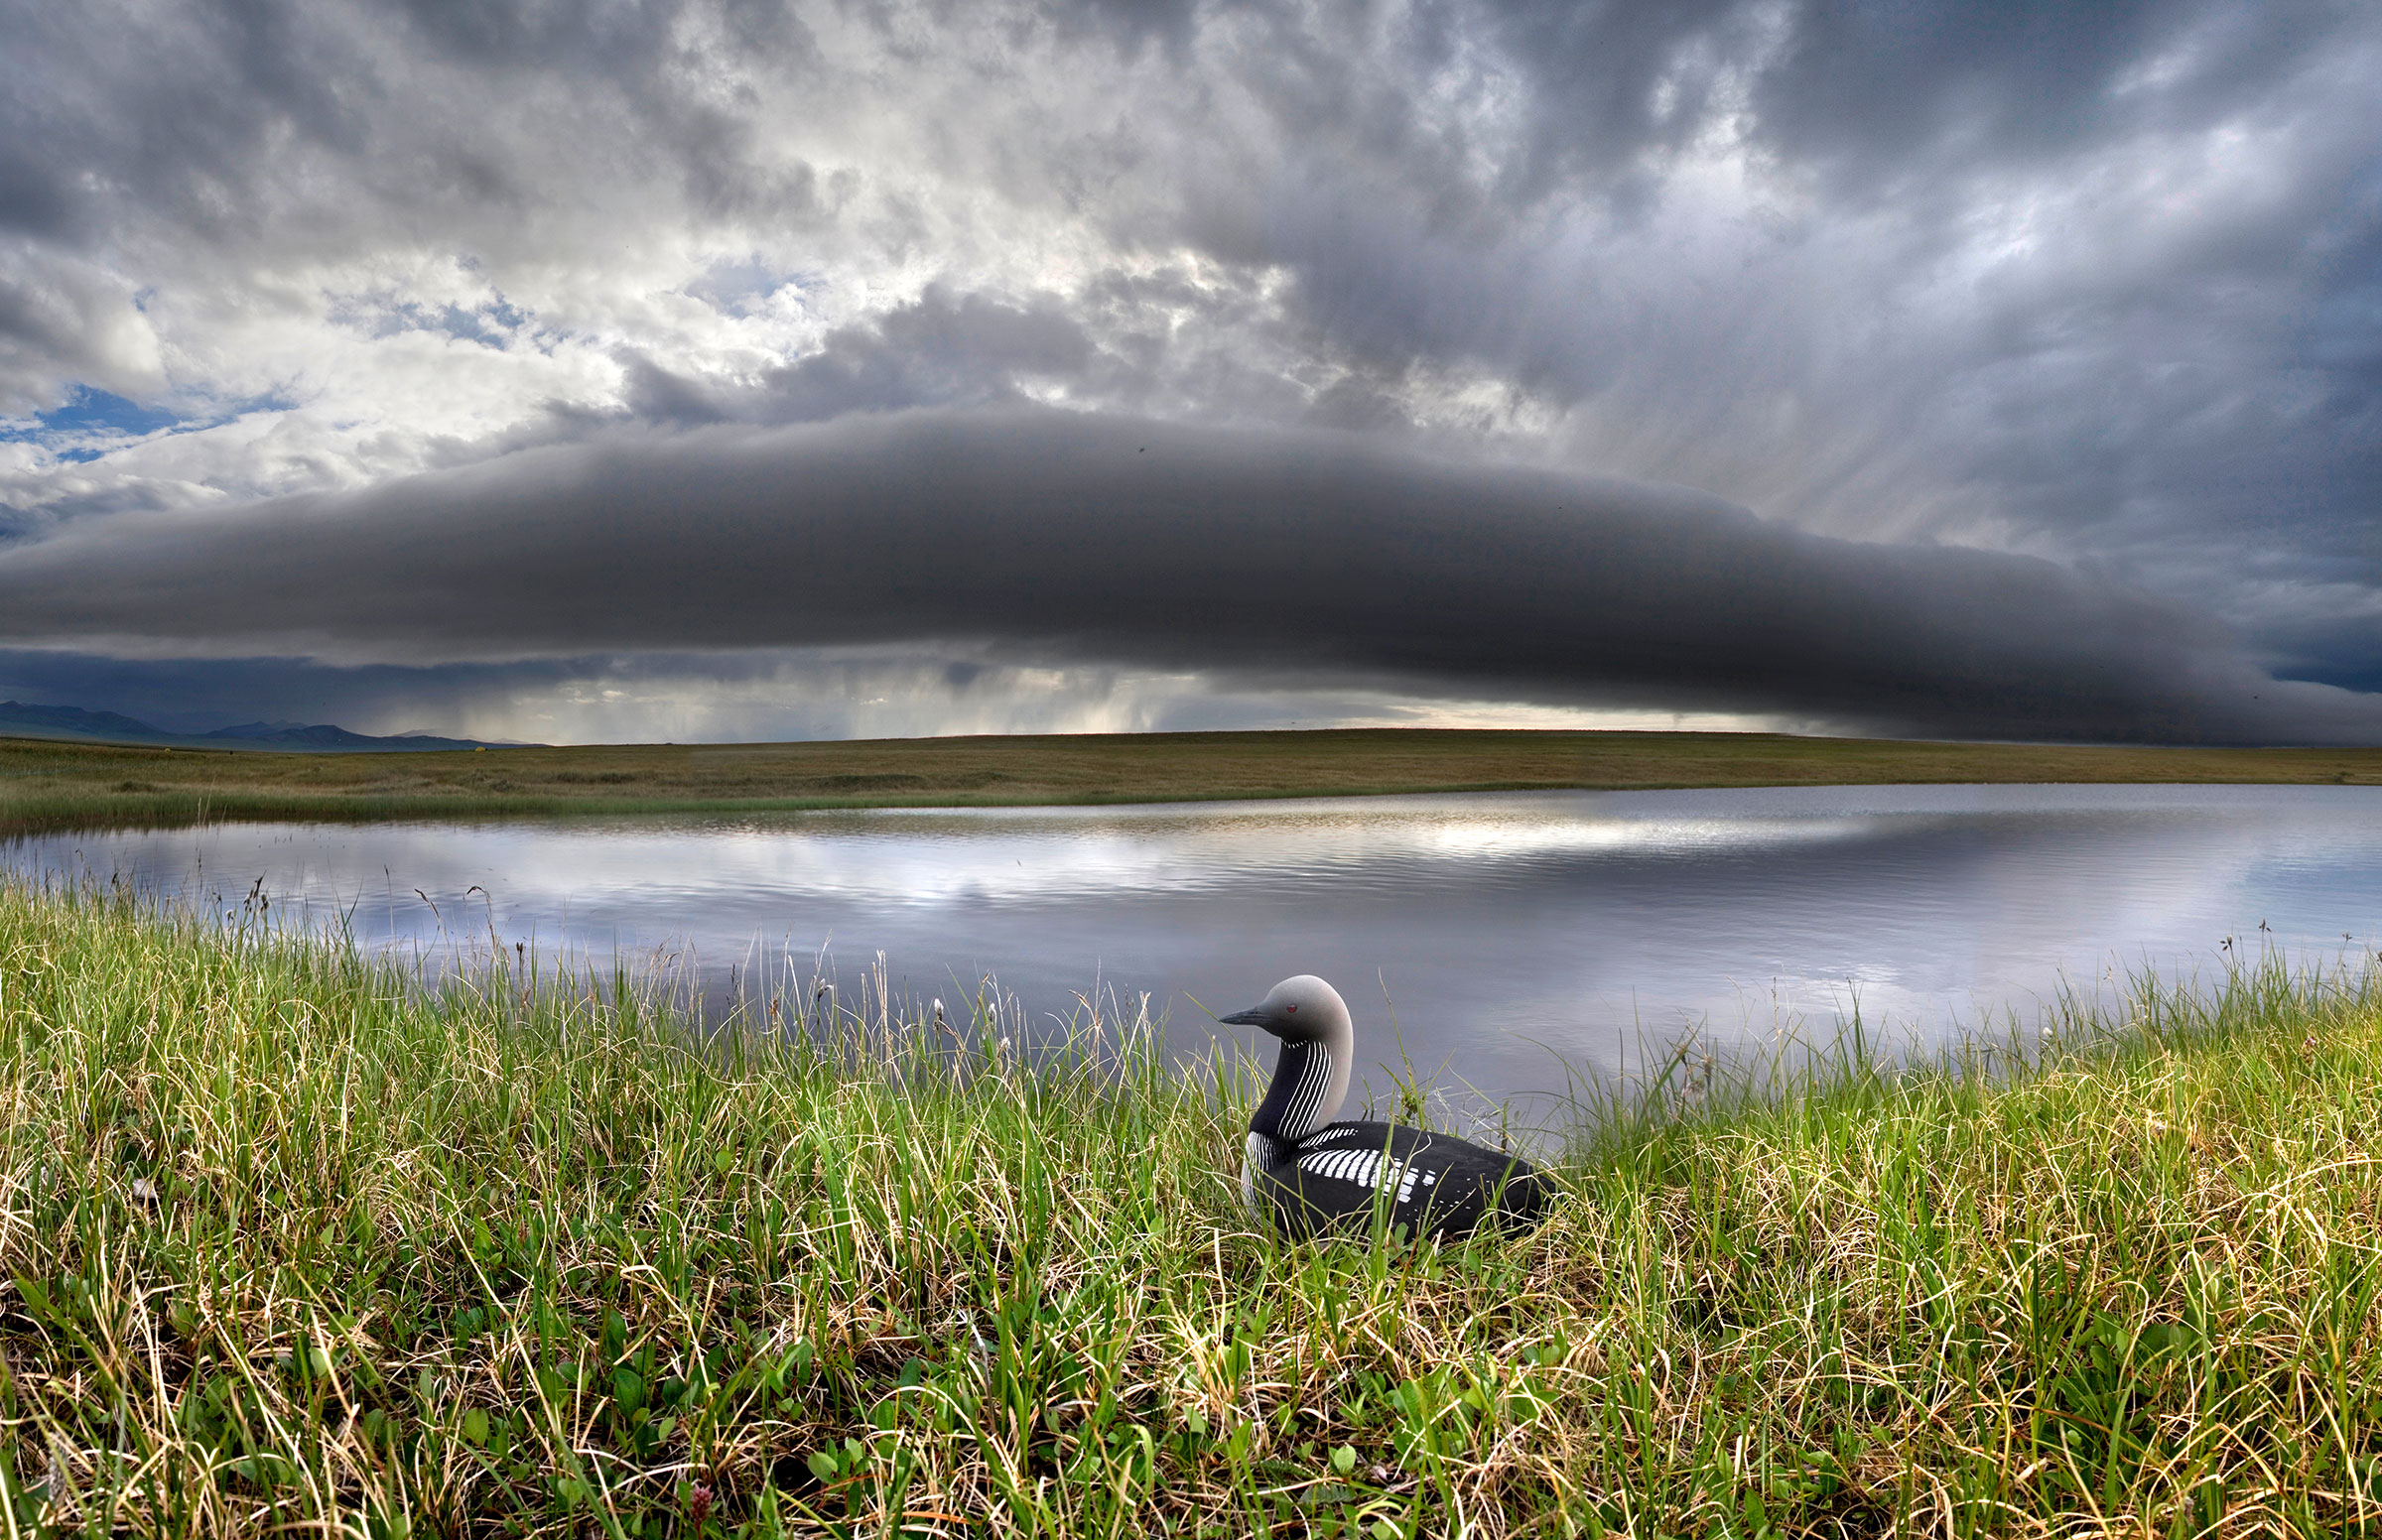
(1502, 930)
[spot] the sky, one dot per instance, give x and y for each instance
(589, 370)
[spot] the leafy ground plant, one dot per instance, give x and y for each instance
(295, 1240)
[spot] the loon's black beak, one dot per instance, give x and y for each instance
(1254, 1016)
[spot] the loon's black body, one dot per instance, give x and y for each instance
(1431, 1184)
(1314, 1175)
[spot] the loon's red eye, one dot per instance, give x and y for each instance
(1291, 1010)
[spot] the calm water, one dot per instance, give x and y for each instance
(1505, 928)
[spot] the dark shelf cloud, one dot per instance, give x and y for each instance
(2019, 367)
(1313, 559)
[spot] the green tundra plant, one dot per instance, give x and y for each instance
(296, 1239)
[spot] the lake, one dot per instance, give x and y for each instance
(1511, 934)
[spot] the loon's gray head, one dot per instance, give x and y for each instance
(1304, 1009)
(1310, 1078)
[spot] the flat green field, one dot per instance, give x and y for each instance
(52, 785)
(292, 1244)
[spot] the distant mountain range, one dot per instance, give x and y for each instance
(74, 723)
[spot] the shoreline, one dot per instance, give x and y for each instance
(48, 785)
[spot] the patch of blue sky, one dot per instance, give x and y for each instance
(98, 411)
(742, 285)
(93, 423)
(495, 323)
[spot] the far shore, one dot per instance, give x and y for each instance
(50, 785)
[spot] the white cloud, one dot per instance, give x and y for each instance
(2059, 286)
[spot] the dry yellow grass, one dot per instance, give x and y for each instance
(294, 1245)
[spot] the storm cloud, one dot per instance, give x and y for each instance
(2019, 366)
(1309, 558)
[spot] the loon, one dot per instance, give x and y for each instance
(1315, 1174)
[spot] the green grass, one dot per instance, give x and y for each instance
(47, 784)
(298, 1244)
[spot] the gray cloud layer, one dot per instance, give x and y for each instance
(1300, 556)
(2101, 284)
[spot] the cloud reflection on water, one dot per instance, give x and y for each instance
(1501, 925)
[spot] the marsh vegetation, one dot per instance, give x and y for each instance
(299, 1240)
(49, 785)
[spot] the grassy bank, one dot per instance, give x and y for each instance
(50, 785)
(293, 1247)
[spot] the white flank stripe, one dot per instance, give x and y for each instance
(1311, 1087)
(1375, 1169)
